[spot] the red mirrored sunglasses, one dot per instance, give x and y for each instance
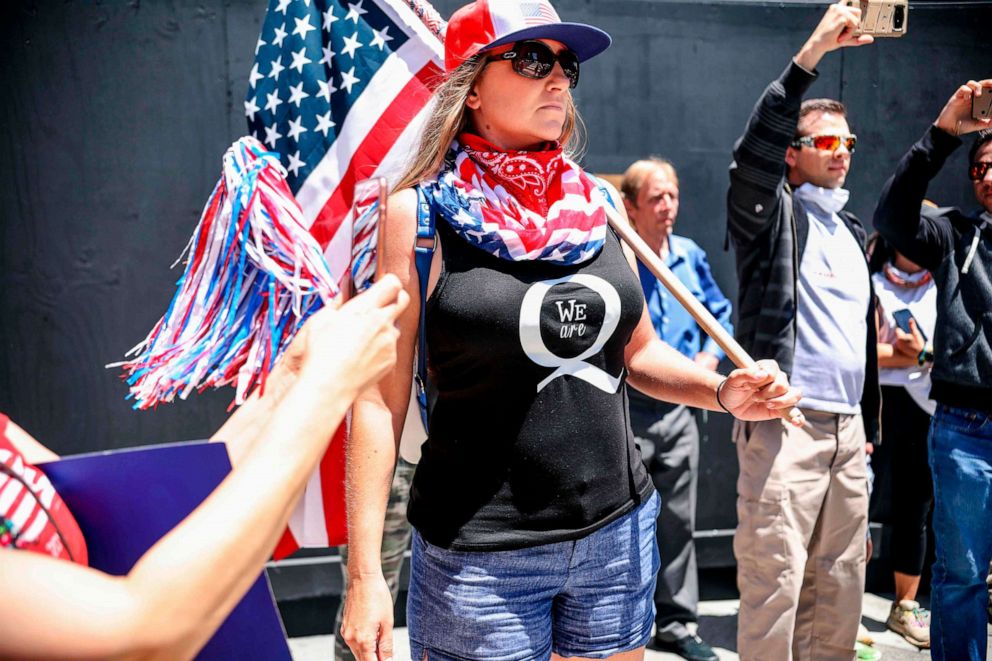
(978, 170)
(827, 142)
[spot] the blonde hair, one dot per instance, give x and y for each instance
(450, 117)
(633, 178)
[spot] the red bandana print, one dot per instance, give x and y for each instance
(532, 177)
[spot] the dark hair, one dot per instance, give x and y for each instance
(984, 136)
(809, 106)
(879, 252)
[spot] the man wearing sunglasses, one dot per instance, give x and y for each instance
(805, 299)
(956, 246)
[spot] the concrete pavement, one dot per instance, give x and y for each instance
(717, 625)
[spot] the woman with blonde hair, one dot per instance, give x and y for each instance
(534, 516)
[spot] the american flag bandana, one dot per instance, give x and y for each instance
(480, 206)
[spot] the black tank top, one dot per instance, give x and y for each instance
(530, 441)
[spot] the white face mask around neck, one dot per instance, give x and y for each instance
(830, 200)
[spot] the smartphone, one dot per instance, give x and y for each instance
(368, 213)
(882, 18)
(902, 318)
(981, 106)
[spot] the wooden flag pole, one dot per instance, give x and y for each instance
(706, 321)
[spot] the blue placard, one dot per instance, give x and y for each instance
(126, 500)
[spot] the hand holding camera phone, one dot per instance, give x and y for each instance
(981, 106)
(882, 18)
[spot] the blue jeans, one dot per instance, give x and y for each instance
(961, 462)
(591, 597)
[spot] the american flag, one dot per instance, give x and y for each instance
(538, 13)
(340, 90)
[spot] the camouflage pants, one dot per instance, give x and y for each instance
(396, 534)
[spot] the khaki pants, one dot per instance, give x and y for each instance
(802, 508)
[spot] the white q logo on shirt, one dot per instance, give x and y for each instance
(533, 344)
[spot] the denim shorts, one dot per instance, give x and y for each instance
(592, 597)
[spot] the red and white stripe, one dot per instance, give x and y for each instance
(378, 136)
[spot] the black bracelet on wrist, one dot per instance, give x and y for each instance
(718, 400)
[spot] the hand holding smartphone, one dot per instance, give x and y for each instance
(902, 318)
(882, 18)
(981, 106)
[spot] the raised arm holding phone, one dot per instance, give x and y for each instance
(804, 298)
(955, 245)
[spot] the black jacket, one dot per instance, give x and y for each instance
(768, 228)
(940, 240)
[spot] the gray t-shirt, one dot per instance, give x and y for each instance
(834, 295)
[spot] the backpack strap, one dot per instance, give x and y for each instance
(423, 253)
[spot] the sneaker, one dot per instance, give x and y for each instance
(688, 647)
(911, 622)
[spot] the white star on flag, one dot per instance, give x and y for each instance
(328, 55)
(272, 134)
(277, 68)
(381, 37)
(296, 94)
(355, 10)
(251, 108)
(303, 26)
(280, 35)
(259, 45)
(326, 141)
(272, 101)
(295, 163)
(326, 89)
(324, 123)
(586, 254)
(254, 76)
(300, 60)
(296, 128)
(351, 44)
(348, 79)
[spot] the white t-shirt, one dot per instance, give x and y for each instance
(922, 303)
(832, 307)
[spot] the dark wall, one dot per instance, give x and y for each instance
(114, 116)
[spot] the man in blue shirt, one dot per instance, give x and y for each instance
(667, 433)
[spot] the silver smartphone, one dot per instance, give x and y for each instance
(981, 106)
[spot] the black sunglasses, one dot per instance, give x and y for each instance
(535, 59)
(978, 170)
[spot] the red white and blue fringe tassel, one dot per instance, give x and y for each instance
(254, 273)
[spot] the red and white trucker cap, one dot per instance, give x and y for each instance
(485, 24)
